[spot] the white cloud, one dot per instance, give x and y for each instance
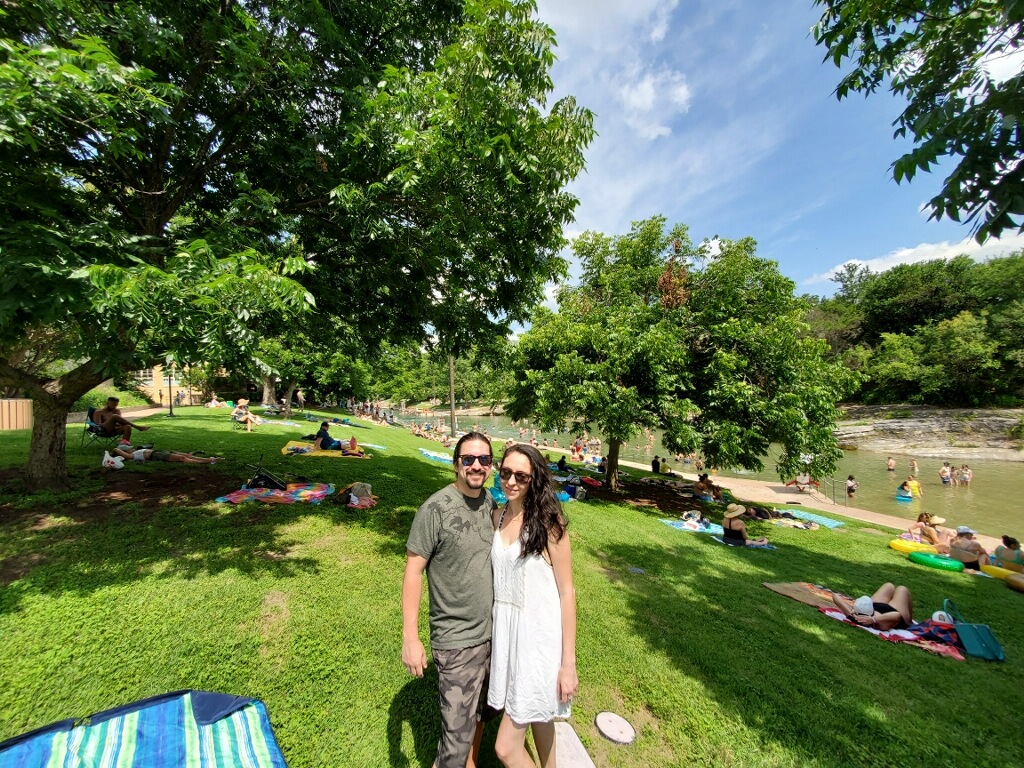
(929, 251)
(651, 99)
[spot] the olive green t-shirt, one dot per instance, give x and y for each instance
(454, 533)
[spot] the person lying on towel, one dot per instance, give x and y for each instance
(147, 454)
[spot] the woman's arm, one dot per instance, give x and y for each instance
(881, 621)
(561, 563)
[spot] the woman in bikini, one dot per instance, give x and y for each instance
(891, 607)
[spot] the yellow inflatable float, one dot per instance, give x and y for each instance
(1016, 582)
(998, 573)
(906, 547)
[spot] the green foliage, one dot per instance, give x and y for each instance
(97, 398)
(937, 55)
(943, 332)
(717, 356)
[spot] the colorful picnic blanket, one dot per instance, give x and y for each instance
(297, 448)
(821, 598)
(828, 522)
(297, 493)
(694, 527)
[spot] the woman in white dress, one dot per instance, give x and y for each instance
(533, 653)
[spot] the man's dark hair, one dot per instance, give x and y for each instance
(113, 400)
(325, 423)
(470, 436)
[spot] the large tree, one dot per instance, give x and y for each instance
(707, 343)
(404, 148)
(945, 58)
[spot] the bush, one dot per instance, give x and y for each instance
(97, 398)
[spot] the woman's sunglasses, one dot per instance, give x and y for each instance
(521, 477)
(467, 460)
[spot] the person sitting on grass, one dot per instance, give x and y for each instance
(215, 402)
(1008, 555)
(148, 454)
(243, 415)
(968, 551)
(324, 441)
(891, 607)
(735, 530)
(563, 465)
(705, 489)
(110, 420)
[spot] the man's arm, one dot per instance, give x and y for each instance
(414, 655)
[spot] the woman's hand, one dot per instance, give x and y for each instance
(568, 683)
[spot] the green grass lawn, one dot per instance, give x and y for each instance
(111, 593)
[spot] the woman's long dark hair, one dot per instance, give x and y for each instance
(542, 513)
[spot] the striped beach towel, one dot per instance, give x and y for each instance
(184, 728)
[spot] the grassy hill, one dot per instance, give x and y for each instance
(139, 583)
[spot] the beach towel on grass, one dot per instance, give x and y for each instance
(184, 728)
(828, 522)
(297, 493)
(694, 527)
(443, 458)
(821, 598)
(297, 448)
(720, 540)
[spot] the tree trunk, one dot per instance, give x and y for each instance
(612, 465)
(451, 391)
(47, 468)
(270, 390)
(289, 390)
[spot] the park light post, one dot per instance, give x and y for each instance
(170, 394)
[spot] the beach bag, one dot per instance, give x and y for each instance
(112, 462)
(576, 492)
(977, 639)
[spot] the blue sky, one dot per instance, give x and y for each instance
(720, 114)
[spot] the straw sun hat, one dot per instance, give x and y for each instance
(734, 510)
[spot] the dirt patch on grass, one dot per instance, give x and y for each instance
(650, 497)
(14, 568)
(273, 624)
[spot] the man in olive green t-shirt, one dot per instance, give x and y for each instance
(451, 540)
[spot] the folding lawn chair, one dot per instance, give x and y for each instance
(94, 433)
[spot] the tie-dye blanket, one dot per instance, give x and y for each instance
(297, 493)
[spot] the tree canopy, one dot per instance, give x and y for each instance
(705, 342)
(177, 171)
(944, 57)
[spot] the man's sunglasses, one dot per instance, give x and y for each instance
(467, 460)
(522, 478)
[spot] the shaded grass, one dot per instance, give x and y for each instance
(138, 594)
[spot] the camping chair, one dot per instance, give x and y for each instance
(236, 424)
(94, 433)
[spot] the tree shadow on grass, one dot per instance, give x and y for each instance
(754, 653)
(133, 529)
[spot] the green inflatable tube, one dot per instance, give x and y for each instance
(936, 561)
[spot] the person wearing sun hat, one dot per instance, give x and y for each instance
(891, 607)
(735, 530)
(968, 551)
(243, 415)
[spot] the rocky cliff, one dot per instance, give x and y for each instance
(932, 431)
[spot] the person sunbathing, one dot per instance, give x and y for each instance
(148, 454)
(928, 528)
(735, 530)
(243, 415)
(1008, 555)
(891, 607)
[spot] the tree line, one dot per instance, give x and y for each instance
(943, 332)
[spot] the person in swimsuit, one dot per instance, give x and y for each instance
(1008, 555)
(968, 551)
(890, 464)
(735, 530)
(946, 474)
(146, 454)
(891, 607)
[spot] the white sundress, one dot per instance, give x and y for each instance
(526, 650)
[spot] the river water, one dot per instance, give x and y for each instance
(993, 504)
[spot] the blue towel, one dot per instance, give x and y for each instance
(828, 522)
(691, 526)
